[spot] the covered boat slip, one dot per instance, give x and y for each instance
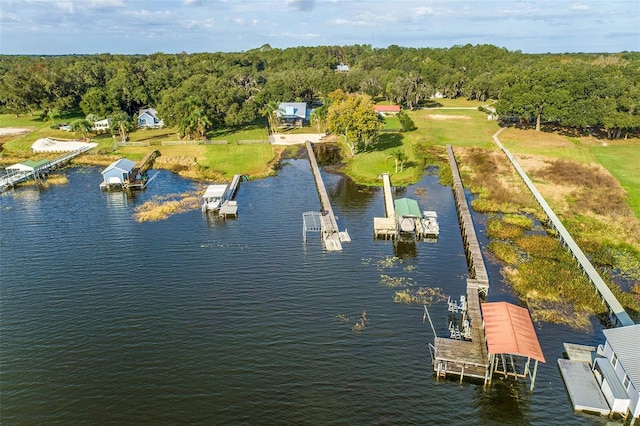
(511, 339)
(214, 197)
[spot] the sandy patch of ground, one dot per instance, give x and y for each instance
(58, 145)
(295, 139)
(11, 131)
(448, 117)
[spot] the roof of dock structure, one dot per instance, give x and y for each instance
(28, 165)
(122, 164)
(509, 330)
(407, 207)
(215, 191)
(624, 342)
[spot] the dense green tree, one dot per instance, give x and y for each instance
(355, 119)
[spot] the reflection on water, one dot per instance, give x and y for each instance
(201, 320)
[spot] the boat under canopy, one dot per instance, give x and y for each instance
(213, 197)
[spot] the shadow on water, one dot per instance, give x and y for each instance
(504, 402)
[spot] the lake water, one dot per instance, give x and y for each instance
(105, 320)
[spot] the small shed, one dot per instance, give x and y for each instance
(119, 172)
(510, 333)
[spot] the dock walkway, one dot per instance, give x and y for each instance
(12, 179)
(466, 357)
(601, 287)
(331, 236)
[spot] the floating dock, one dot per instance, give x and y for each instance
(331, 235)
(584, 391)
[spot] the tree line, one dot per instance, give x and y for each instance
(204, 91)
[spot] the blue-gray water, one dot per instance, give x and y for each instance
(105, 320)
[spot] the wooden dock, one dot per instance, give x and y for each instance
(466, 358)
(331, 235)
(477, 268)
(386, 227)
(11, 179)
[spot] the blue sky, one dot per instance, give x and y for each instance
(136, 26)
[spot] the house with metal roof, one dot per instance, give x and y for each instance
(621, 370)
(119, 173)
(293, 114)
(148, 117)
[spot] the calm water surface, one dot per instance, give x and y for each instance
(195, 320)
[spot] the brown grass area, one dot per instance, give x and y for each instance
(589, 190)
(162, 207)
(589, 201)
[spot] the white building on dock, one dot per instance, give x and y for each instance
(622, 351)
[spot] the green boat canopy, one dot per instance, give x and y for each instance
(407, 207)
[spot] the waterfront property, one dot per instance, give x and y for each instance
(619, 370)
(615, 307)
(403, 217)
(219, 198)
(292, 114)
(511, 341)
(148, 118)
(118, 173)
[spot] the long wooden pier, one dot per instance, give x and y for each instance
(615, 307)
(12, 179)
(468, 358)
(386, 227)
(331, 235)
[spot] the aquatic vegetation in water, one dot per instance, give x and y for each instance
(361, 323)
(395, 281)
(161, 208)
(420, 296)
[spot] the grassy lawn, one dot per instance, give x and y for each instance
(618, 157)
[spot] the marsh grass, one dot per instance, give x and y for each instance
(162, 207)
(541, 271)
(505, 252)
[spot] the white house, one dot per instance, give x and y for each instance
(102, 125)
(622, 351)
(148, 117)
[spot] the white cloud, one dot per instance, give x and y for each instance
(580, 7)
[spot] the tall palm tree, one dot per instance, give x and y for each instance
(81, 126)
(270, 111)
(400, 157)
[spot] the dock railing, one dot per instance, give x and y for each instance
(601, 287)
